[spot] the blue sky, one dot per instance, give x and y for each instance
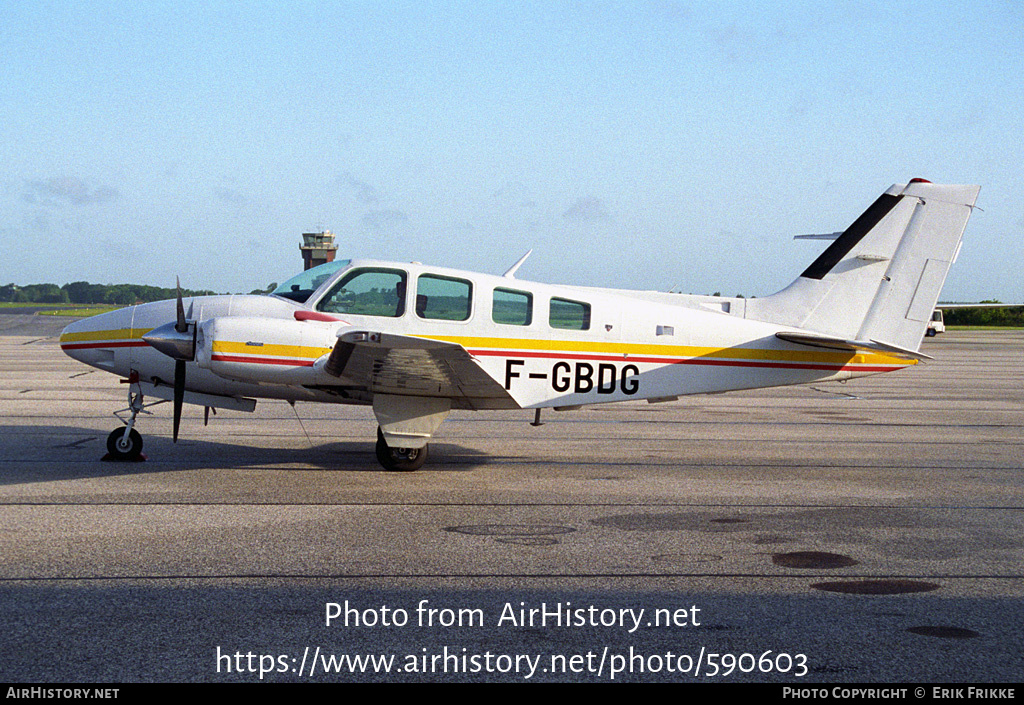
(630, 144)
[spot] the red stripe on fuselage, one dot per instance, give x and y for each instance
(686, 361)
(262, 360)
(81, 346)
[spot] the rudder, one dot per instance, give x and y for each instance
(908, 293)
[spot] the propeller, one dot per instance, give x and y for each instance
(176, 340)
(181, 326)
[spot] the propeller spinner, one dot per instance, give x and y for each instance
(177, 340)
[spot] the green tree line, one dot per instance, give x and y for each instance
(1009, 316)
(86, 293)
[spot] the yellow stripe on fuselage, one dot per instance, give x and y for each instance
(625, 349)
(688, 351)
(231, 347)
(101, 335)
(530, 344)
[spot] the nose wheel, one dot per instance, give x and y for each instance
(124, 444)
(399, 459)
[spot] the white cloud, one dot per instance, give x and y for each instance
(384, 220)
(67, 190)
(364, 192)
(231, 196)
(588, 208)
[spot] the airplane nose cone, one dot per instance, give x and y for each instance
(94, 340)
(71, 329)
(172, 342)
(74, 340)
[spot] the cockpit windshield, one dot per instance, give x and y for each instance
(301, 286)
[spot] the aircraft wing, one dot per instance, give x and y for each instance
(387, 363)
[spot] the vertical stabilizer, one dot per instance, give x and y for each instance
(900, 311)
(881, 277)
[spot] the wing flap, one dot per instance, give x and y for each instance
(388, 363)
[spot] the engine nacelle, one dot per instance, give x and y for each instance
(266, 350)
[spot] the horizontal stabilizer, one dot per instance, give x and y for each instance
(819, 236)
(825, 341)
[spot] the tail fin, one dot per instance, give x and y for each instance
(880, 279)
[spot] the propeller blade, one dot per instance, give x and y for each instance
(179, 394)
(181, 326)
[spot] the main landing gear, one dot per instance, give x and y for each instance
(405, 424)
(399, 459)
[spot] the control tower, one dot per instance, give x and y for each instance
(317, 248)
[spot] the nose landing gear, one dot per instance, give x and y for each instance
(125, 444)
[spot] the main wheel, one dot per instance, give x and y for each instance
(400, 459)
(121, 448)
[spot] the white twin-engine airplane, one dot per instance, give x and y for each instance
(417, 341)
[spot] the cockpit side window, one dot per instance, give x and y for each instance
(301, 286)
(367, 292)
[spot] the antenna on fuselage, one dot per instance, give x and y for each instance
(510, 273)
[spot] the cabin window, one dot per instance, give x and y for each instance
(443, 298)
(571, 315)
(367, 292)
(512, 308)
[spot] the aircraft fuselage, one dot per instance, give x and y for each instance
(542, 345)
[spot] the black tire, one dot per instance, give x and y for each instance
(399, 459)
(121, 449)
